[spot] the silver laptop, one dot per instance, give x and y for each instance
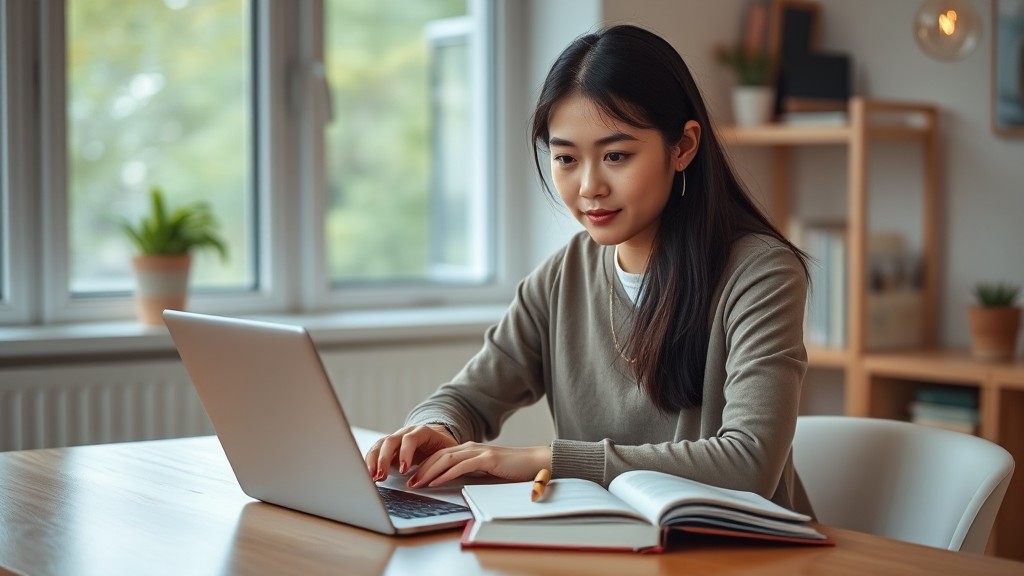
(283, 429)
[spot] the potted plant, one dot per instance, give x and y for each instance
(995, 321)
(165, 240)
(753, 97)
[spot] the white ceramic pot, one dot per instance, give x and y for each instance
(752, 105)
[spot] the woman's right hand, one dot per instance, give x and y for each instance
(411, 445)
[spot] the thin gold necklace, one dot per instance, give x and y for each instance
(611, 322)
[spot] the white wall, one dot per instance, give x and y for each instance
(552, 26)
(983, 177)
(983, 195)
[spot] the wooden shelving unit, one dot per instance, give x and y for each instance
(883, 384)
(869, 121)
(891, 379)
(1007, 382)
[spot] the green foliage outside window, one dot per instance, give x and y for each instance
(379, 144)
(160, 91)
(157, 92)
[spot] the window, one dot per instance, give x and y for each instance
(404, 165)
(344, 145)
(13, 159)
(4, 209)
(158, 95)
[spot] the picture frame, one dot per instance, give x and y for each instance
(794, 34)
(1008, 67)
(794, 28)
(754, 31)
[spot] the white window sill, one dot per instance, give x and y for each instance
(32, 344)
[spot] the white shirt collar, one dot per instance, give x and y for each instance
(630, 282)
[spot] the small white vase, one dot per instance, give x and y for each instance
(752, 105)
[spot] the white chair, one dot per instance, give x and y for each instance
(901, 480)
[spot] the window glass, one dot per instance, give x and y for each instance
(3, 154)
(403, 166)
(158, 94)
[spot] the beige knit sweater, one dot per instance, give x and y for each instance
(555, 343)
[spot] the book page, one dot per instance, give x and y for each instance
(707, 515)
(654, 494)
(563, 497)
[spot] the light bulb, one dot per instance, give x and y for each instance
(947, 29)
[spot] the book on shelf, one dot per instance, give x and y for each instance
(947, 396)
(962, 427)
(825, 317)
(816, 118)
(636, 513)
(951, 409)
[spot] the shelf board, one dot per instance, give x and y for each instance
(940, 364)
(1009, 374)
(795, 135)
(896, 132)
(821, 357)
(872, 120)
(784, 134)
(937, 365)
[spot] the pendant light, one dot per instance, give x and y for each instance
(947, 29)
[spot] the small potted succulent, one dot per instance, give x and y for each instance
(995, 321)
(753, 96)
(165, 240)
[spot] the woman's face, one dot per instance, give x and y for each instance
(613, 177)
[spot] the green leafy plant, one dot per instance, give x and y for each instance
(996, 294)
(188, 227)
(753, 66)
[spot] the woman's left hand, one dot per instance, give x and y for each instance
(512, 464)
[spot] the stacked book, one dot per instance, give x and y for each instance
(949, 408)
(817, 118)
(825, 318)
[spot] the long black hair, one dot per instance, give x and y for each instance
(636, 77)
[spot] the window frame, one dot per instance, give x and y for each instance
(59, 303)
(291, 268)
(321, 293)
(17, 303)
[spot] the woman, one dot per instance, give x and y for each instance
(667, 336)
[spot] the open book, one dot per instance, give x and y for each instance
(634, 513)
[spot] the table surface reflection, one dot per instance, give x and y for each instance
(174, 507)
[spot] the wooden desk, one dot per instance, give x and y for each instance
(174, 507)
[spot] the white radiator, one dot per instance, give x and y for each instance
(69, 405)
(378, 387)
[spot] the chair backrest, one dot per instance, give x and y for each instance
(901, 480)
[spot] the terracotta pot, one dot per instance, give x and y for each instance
(161, 283)
(994, 332)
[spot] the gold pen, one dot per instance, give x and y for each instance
(539, 484)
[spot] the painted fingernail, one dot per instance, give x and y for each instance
(412, 482)
(402, 466)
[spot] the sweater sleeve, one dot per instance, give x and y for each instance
(756, 364)
(506, 374)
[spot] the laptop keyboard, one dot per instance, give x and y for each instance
(408, 505)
